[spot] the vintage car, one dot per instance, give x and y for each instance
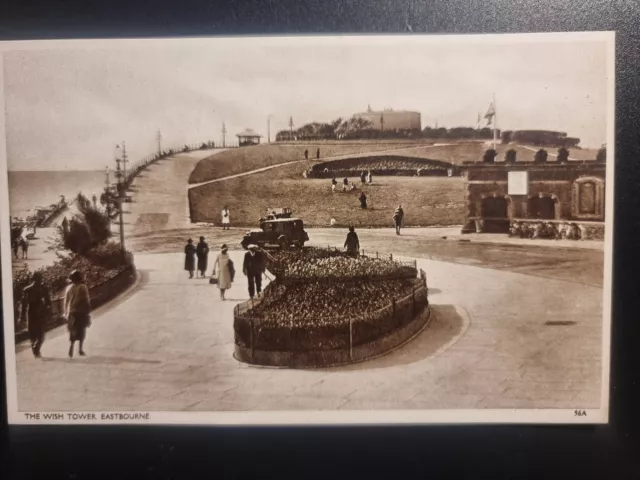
(277, 229)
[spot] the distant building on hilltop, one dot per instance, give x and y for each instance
(389, 119)
(248, 137)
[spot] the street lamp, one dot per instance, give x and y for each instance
(269, 127)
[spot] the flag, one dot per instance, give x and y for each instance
(490, 114)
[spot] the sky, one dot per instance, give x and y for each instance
(68, 105)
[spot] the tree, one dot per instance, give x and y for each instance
(489, 156)
(563, 155)
(540, 156)
(510, 156)
(601, 156)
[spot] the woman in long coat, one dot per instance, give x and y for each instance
(77, 308)
(224, 267)
(190, 257)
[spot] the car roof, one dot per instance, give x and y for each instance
(283, 220)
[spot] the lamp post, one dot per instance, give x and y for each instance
(119, 201)
(269, 128)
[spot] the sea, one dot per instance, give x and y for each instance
(30, 190)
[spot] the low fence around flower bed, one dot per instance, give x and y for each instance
(334, 342)
(99, 294)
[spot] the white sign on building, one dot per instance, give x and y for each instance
(518, 183)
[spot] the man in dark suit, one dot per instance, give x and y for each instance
(253, 267)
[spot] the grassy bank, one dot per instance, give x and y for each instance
(238, 160)
(426, 201)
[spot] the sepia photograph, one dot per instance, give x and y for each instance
(410, 229)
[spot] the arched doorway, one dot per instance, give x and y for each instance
(495, 214)
(542, 207)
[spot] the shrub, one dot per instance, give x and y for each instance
(489, 156)
(601, 156)
(563, 155)
(540, 156)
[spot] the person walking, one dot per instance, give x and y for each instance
(334, 182)
(345, 184)
(369, 177)
(352, 243)
(318, 154)
(202, 252)
(224, 269)
(253, 267)
(190, 257)
(306, 154)
(16, 245)
(363, 177)
(226, 219)
(36, 311)
(363, 200)
(398, 218)
(77, 307)
(24, 243)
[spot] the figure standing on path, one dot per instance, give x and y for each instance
(223, 266)
(253, 267)
(226, 219)
(398, 218)
(36, 311)
(363, 177)
(318, 154)
(202, 252)
(24, 243)
(363, 200)
(306, 154)
(334, 182)
(190, 257)
(77, 307)
(369, 177)
(345, 184)
(352, 243)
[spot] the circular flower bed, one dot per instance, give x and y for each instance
(320, 322)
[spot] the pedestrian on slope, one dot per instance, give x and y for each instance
(77, 307)
(190, 257)
(24, 243)
(224, 269)
(398, 219)
(363, 200)
(318, 154)
(226, 218)
(36, 311)
(253, 267)
(352, 243)
(202, 252)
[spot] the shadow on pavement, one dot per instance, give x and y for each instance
(445, 326)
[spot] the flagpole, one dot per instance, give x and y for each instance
(495, 121)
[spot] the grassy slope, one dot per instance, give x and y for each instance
(238, 160)
(426, 201)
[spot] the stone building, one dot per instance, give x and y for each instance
(499, 194)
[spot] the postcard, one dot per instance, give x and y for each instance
(401, 229)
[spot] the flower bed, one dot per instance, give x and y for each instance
(319, 323)
(379, 165)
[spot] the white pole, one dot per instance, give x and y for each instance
(495, 121)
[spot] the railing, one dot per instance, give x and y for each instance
(339, 333)
(134, 170)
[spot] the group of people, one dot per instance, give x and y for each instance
(566, 231)
(21, 243)
(306, 154)
(37, 311)
(253, 267)
(349, 186)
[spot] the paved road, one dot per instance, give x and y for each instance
(167, 345)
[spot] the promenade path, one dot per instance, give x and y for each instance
(167, 344)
